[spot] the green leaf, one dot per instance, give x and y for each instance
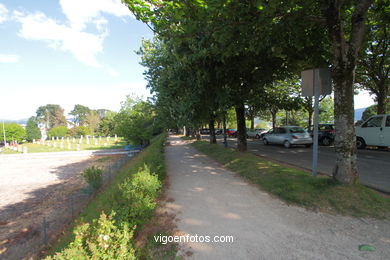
(366, 248)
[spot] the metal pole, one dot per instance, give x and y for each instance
(315, 126)
(5, 141)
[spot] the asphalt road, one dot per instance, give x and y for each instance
(373, 165)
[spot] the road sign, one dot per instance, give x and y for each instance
(316, 82)
(321, 78)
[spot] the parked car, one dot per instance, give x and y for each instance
(231, 132)
(204, 131)
(326, 134)
(255, 133)
(375, 131)
(288, 136)
(218, 131)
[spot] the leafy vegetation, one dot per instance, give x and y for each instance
(104, 230)
(32, 129)
(93, 176)
(136, 121)
(58, 131)
(13, 132)
(209, 57)
(299, 187)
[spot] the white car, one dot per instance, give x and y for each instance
(255, 133)
(288, 136)
(375, 131)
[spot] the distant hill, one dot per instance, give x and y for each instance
(19, 121)
(359, 113)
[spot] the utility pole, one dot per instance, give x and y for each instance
(5, 141)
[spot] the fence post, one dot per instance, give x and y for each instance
(44, 225)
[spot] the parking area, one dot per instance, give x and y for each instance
(373, 165)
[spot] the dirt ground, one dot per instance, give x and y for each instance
(36, 190)
(209, 200)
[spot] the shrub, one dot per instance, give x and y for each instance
(58, 131)
(100, 240)
(138, 194)
(93, 176)
(79, 130)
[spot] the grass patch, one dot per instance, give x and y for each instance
(40, 148)
(119, 210)
(298, 187)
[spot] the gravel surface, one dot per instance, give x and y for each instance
(35, 187)
(210, 200)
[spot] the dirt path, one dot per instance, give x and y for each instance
(212, 201)
(33, 188)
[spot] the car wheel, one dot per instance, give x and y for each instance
(265, 141)
(360, 143)
(287, 144)
(308, 145)
(326, 141)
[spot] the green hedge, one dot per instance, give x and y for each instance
(105, 228)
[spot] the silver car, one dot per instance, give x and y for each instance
(255, 133)
(288, 136)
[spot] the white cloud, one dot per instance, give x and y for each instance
(9, 58)
(113, 72)
(84, 46)
(79, 13)
(3, 13)
(70, 35)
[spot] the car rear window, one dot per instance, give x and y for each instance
(297, 130)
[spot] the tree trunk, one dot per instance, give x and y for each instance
(345, 53)
(192, 132)
(198, 136)
(345, 169)
(213, 139)
(241, 127)
(224, 130)
(382, 99)
(309, 122)
(252, 122)
(273, 115)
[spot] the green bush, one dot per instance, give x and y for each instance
(13, 132)
(79, 131)
(131, 195)
(100, 240)
(93, 176)
(58, 131)
(138, 196)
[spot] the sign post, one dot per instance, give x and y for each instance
(316, 82)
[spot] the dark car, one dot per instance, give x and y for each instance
(326, 134)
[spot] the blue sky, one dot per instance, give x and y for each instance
(71, 52)
(68, 52)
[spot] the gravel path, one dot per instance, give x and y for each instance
(33, 187)
(210, 200)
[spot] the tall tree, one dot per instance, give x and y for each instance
(92, 121)
(80, 114)
(373, 69)
(32, 129)
(51, 115)
(346, 33)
